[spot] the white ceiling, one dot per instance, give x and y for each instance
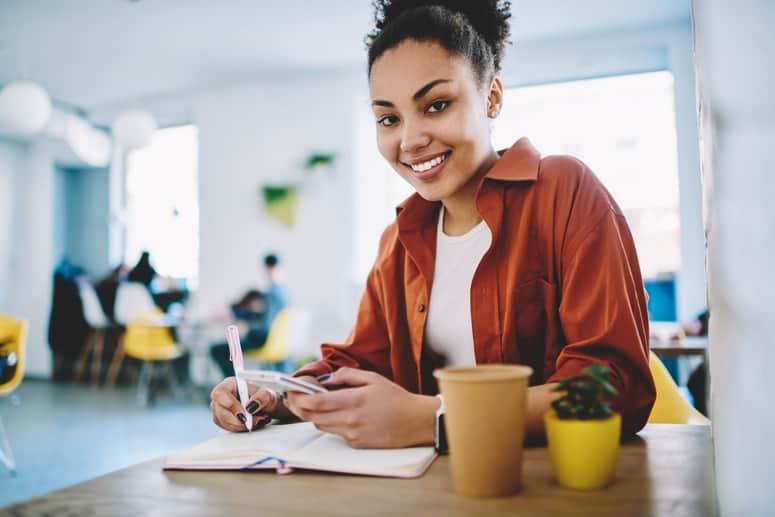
(91, 53)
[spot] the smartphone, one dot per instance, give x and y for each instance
(279, 382)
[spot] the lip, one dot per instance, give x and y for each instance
(431, 173)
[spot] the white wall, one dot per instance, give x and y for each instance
(615, 53)
(734, 47)
(31, 256)
(84, 219)
(11, 155)
(261, 133)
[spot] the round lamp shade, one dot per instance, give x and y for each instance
(133, 129)
(89, 144)
(25, 108)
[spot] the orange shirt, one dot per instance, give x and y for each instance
(559, 289)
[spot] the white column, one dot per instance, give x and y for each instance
(691, 290)
(734, 51)
(117, 207)
(10, 160)
(32, 259)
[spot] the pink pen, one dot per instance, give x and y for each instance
(235, 354)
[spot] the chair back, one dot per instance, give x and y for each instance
(132, 301)
(149, 340)
(670, 407)
(92, 309)
(13, 339)
(277, 344)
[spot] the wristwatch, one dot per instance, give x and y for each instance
(440, 443)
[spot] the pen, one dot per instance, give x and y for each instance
(235, 354)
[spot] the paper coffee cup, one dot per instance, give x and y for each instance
(486, 410)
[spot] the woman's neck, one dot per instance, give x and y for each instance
(460, 212)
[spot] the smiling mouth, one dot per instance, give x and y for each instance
(423, 167)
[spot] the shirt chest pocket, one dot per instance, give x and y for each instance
(536, 326)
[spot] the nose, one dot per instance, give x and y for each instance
(414, 137)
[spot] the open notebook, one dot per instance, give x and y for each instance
(300, 446)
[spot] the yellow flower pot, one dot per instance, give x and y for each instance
(583, 452)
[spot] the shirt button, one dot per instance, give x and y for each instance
(421, 307)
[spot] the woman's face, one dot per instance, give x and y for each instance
(432, 123)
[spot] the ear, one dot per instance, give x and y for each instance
(495, 97)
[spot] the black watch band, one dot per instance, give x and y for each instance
(440, 443)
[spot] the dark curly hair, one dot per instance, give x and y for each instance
(477, 30)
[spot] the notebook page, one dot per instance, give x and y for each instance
(238, 450)
(331, 453)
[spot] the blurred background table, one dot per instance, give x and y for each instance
(680, 347)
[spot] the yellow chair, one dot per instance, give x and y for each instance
(150, 341)
(13, 338)
(670, 407)
(276, 350)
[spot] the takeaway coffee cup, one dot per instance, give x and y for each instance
(486, 409)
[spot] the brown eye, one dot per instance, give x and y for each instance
(437, 106)
(387, 120)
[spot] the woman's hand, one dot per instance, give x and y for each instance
(229, 414)
(368, 410)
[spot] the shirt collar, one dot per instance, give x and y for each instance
(518, 163)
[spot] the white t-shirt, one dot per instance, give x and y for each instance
(448, 329)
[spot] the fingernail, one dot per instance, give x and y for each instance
(324, 377)
(261, 422)
(242, 417)
(253, 407)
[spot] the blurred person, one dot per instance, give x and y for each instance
(698, 379)
(276, 296)
(107, 286)
(143, 272)
(252, 319)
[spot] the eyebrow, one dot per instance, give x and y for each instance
(419, 94)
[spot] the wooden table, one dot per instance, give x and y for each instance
(667, 470)
(680, 347)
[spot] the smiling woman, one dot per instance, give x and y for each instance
(496, 258)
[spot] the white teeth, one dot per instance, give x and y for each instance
(422, 167)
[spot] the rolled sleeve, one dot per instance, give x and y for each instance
(604, 319)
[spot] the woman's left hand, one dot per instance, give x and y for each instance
(368, 411)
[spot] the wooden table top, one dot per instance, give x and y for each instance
(679, 347)
(666, 470)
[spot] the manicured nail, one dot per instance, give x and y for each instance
(253, 407)
(242, 417)
(261, 422)
(324, 377)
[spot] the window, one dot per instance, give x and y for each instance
(162, 210)
(624, 129)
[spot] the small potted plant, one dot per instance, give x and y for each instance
(583, 432)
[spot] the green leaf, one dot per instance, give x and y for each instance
(585, 395)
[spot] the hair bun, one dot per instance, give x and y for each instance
(489, 18)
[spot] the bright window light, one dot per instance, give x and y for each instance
(162, 203)
(622, 127)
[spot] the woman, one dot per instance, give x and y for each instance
(497, 258)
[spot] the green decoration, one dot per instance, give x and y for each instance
(316, 160)
(281, 203)
(585, 395)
